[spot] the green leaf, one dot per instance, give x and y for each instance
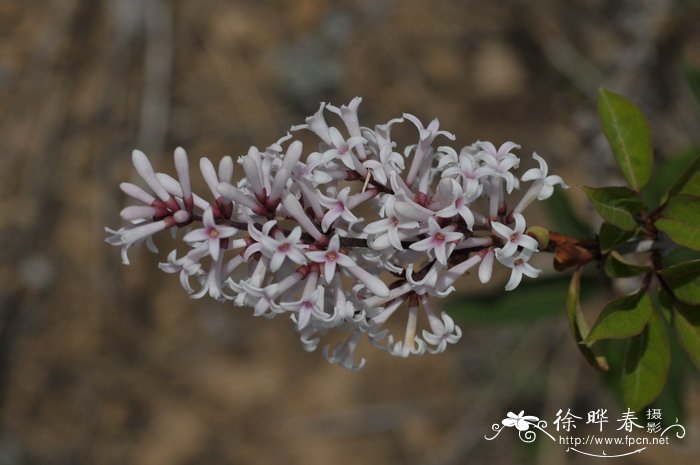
(681, 221)
(629, 137)
(617, 205)
(671, 176)
(684, 279)
(610, 236)
(578, 325)
(621, 318)
(688, 182)
(617, 267)
(679, 255)
(686, 323)
(647, 361)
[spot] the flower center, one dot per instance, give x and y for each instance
(439, 237)
(283, 247)
(518, 262)
(213, 233)
(514, 237)
(331, 256)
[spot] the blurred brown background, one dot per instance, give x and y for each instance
(106, 364)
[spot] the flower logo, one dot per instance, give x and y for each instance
(520, 421)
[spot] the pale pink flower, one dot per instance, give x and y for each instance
(388, 230)
(283, 222)
(438, 240)
(211, 233)
(278, 249)
(515, 237)
(489, 151)
(486, 266)
(337, 208)
(443, 330)
(343, 353)
(467, 169)
(460, 205)
(310, 305)
(330, 258)
(543, 186)
(520, 267)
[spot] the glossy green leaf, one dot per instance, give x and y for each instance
(684, 279)
(578, 325)
(647, 361)
(689, 181)
(617, 267)
(686, 323)
(611, 236)
(680, 255)
(619, 206)
(686, 177)
(681, 221)
(629, 137)
(621, 318)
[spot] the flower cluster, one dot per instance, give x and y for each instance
(346, 235)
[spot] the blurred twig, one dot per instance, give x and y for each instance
(157, 74)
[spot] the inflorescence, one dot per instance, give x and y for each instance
(347, 235)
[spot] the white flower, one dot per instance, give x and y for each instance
(212, 283)
(438, 240)
(489, 151)
(389, 162)
(349, 115)
(343, 149)
(520, 267)
(443, 330)
(430, 132)
(211, 233)
(540, 175)
(543, 186)
(343, 353)
(337, 208)
(468, 169)
(287, 247)
(295, 240)
(309, 305)
(411, 344)
(486, 266)
(317, 124)
(501, 169)
(313, 170)
(388, 229)
(460, 205)
(330, 258)
(514, 237)
(145, 169)
(185, 268)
